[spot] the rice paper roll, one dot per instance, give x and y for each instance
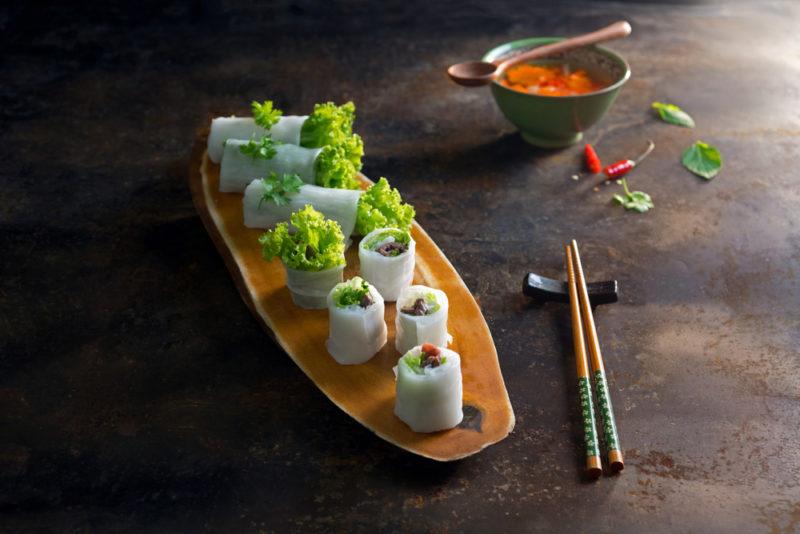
(429, 389)
(286, 130)
(386, 256)
(339, 205)
(356, 325)
(239, 169)
(421, 318)
(312, 253)
(309, 289)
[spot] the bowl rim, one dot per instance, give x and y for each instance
(519, 43)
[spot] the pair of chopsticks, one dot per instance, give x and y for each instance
(582, 318)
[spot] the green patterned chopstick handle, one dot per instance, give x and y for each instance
(606, 411)
(587, 413)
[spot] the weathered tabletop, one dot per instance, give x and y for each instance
(137, 392)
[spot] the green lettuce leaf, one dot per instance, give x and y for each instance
(382, 207)
(350, 293)
(316, 244)
(703, 160)
(329, 124)
(265, 115)
(332, 168)
(673, 114)
(354, 150)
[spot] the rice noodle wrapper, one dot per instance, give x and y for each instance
(356, 333)
(390, 274)
(309, 289)
(286, 130)
(412, 330)
(432, 400)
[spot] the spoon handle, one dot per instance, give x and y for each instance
(614, 31)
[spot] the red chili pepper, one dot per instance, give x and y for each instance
(592, 161)
(620, 168)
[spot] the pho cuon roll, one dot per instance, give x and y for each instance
(355, 315)
(386, 256)
(429, 389)
(421, 318)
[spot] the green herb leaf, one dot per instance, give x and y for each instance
(265, 115)
(279, 190)
(350, 293)
(264, 149)
(381, 206)
(316, 244)
(634, 201)
(673, 114)
(702, 159)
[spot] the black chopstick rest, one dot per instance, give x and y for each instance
(549, 290)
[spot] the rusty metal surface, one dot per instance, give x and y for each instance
(137, 392)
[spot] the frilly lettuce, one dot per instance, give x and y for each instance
(329, 124)
(354, 150)
(350, 293)
(315, 244)
(382, 207)
(334, 169)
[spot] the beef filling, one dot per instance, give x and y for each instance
(366, 301)
(419, 308)
(392, 248)
(431, 356)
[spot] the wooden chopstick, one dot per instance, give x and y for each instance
(594, 467)
(606, 410)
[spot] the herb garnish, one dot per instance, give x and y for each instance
(265, 115)
(673, 114)
(702, 159)
(264, 149)
(279, 190)
(634, 201)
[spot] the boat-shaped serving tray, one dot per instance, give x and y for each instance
(366, 392)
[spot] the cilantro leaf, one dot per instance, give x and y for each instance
(702, 159)
(279, 190)
(634, 201)
(265, 115)
(264, 149)
(673, 114)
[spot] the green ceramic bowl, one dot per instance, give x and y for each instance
(558, 121)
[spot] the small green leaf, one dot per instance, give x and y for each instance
(279, 190)
(634, 201)
(702, 159)
(264, 149)
(673, 114)
(265, 115)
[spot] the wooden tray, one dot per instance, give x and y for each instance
(366, 392)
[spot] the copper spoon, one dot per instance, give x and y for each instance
(475, 73)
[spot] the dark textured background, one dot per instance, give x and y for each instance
(137, 392)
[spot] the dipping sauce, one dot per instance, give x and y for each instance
(550, 80)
